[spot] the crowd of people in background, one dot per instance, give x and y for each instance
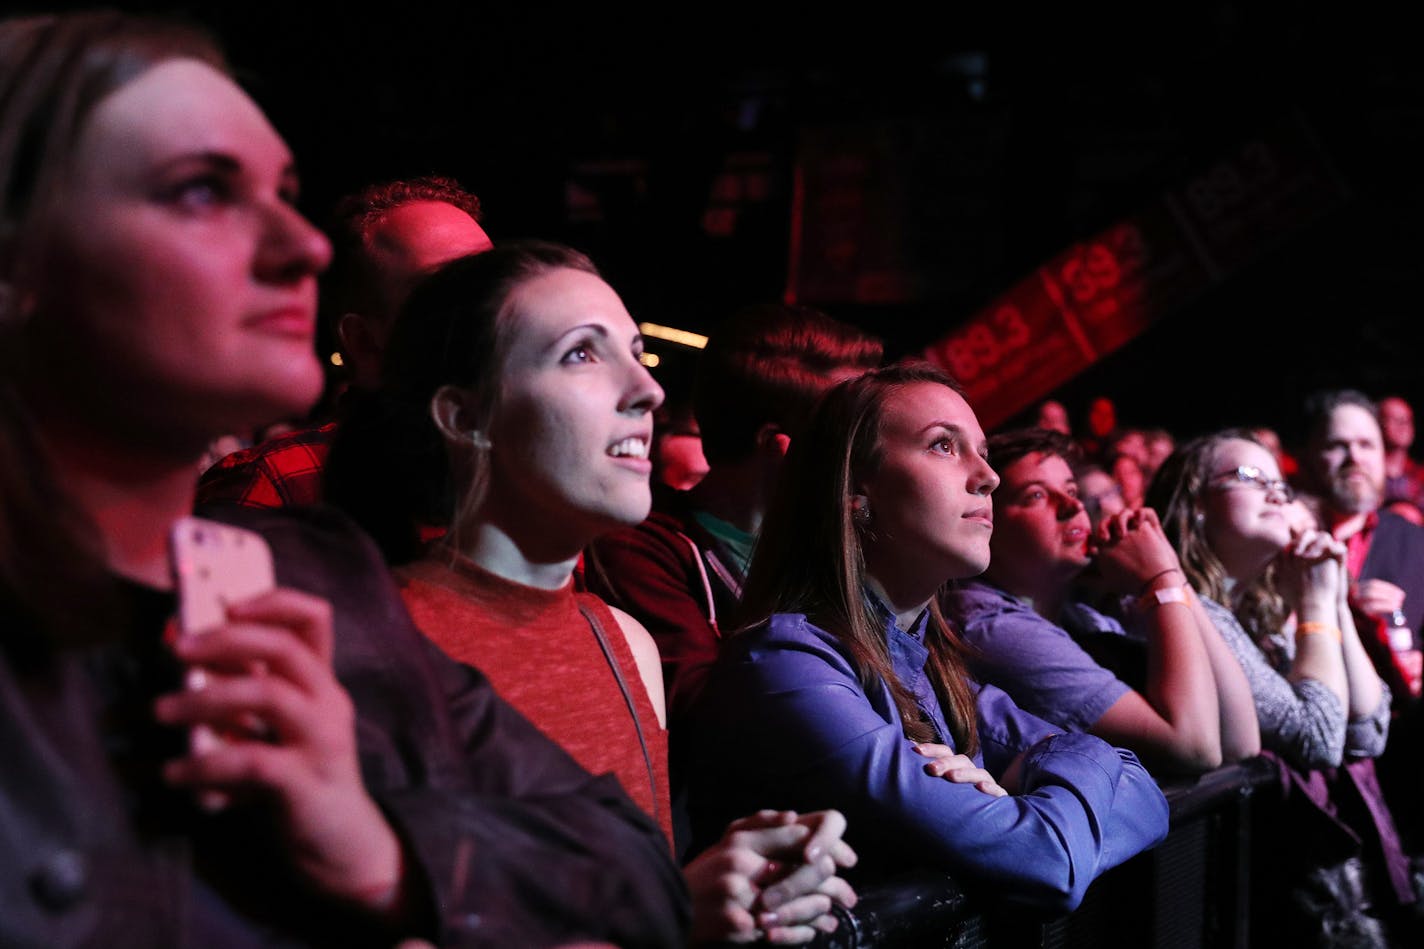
(549, 662)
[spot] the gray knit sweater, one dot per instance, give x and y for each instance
(1302, 721)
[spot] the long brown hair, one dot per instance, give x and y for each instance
(54, 70)
(1176, 495)
(809, 556)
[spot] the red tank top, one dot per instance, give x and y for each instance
(542, 656)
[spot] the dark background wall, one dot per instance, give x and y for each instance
(666, 143)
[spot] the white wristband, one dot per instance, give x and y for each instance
(1162, 596)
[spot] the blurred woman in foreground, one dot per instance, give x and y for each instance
(157, 289)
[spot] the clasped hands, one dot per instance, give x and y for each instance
(772, 876)
(1312, 565)
(1131, 553)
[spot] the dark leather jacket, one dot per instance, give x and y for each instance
(511, 843)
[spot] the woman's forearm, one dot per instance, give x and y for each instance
(1240, 730)
(1318, 639)
(1362, 680)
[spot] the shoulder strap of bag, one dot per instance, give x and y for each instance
(612, 660)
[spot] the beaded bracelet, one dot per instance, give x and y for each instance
(1311, 628)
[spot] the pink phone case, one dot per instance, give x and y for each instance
(214, 565)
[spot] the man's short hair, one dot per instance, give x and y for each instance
(351, 285)
(1320, 406)
(1005, 448)
(768, 364)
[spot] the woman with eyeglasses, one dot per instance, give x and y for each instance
(1227, 511)
(1275, 586)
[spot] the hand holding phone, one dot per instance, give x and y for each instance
(278, 723)
(215, 565)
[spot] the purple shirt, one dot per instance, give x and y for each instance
(1034, 660)
(786, 722)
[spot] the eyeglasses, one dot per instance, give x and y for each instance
(1250, 474)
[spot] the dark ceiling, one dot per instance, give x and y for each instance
(618, 131)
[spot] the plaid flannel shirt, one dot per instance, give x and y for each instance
(285, 471)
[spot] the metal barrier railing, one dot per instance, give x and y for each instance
(1192, 890)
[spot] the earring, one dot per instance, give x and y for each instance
(860, 510)
(1200, 518)
(480, 440)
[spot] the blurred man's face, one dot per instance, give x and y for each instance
(1054, 417)
(1349, 460)
(1100, 495)
(1134, 445)
(1396, 424)
(1102, 416)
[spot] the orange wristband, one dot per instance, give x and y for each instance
(1313, 628)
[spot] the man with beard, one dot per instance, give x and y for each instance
(1344, 465)
(1192, 708)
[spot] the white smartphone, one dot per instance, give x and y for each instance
(214, 565)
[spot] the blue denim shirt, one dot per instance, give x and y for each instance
(785, 722)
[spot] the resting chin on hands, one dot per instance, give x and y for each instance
(288, 736)
(771, 876)
(1132, 551)
(1312, 565)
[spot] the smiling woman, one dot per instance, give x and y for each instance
(515, 402)
(575, 422)
(516, 415)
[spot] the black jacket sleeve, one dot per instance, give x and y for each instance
(512, 842)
